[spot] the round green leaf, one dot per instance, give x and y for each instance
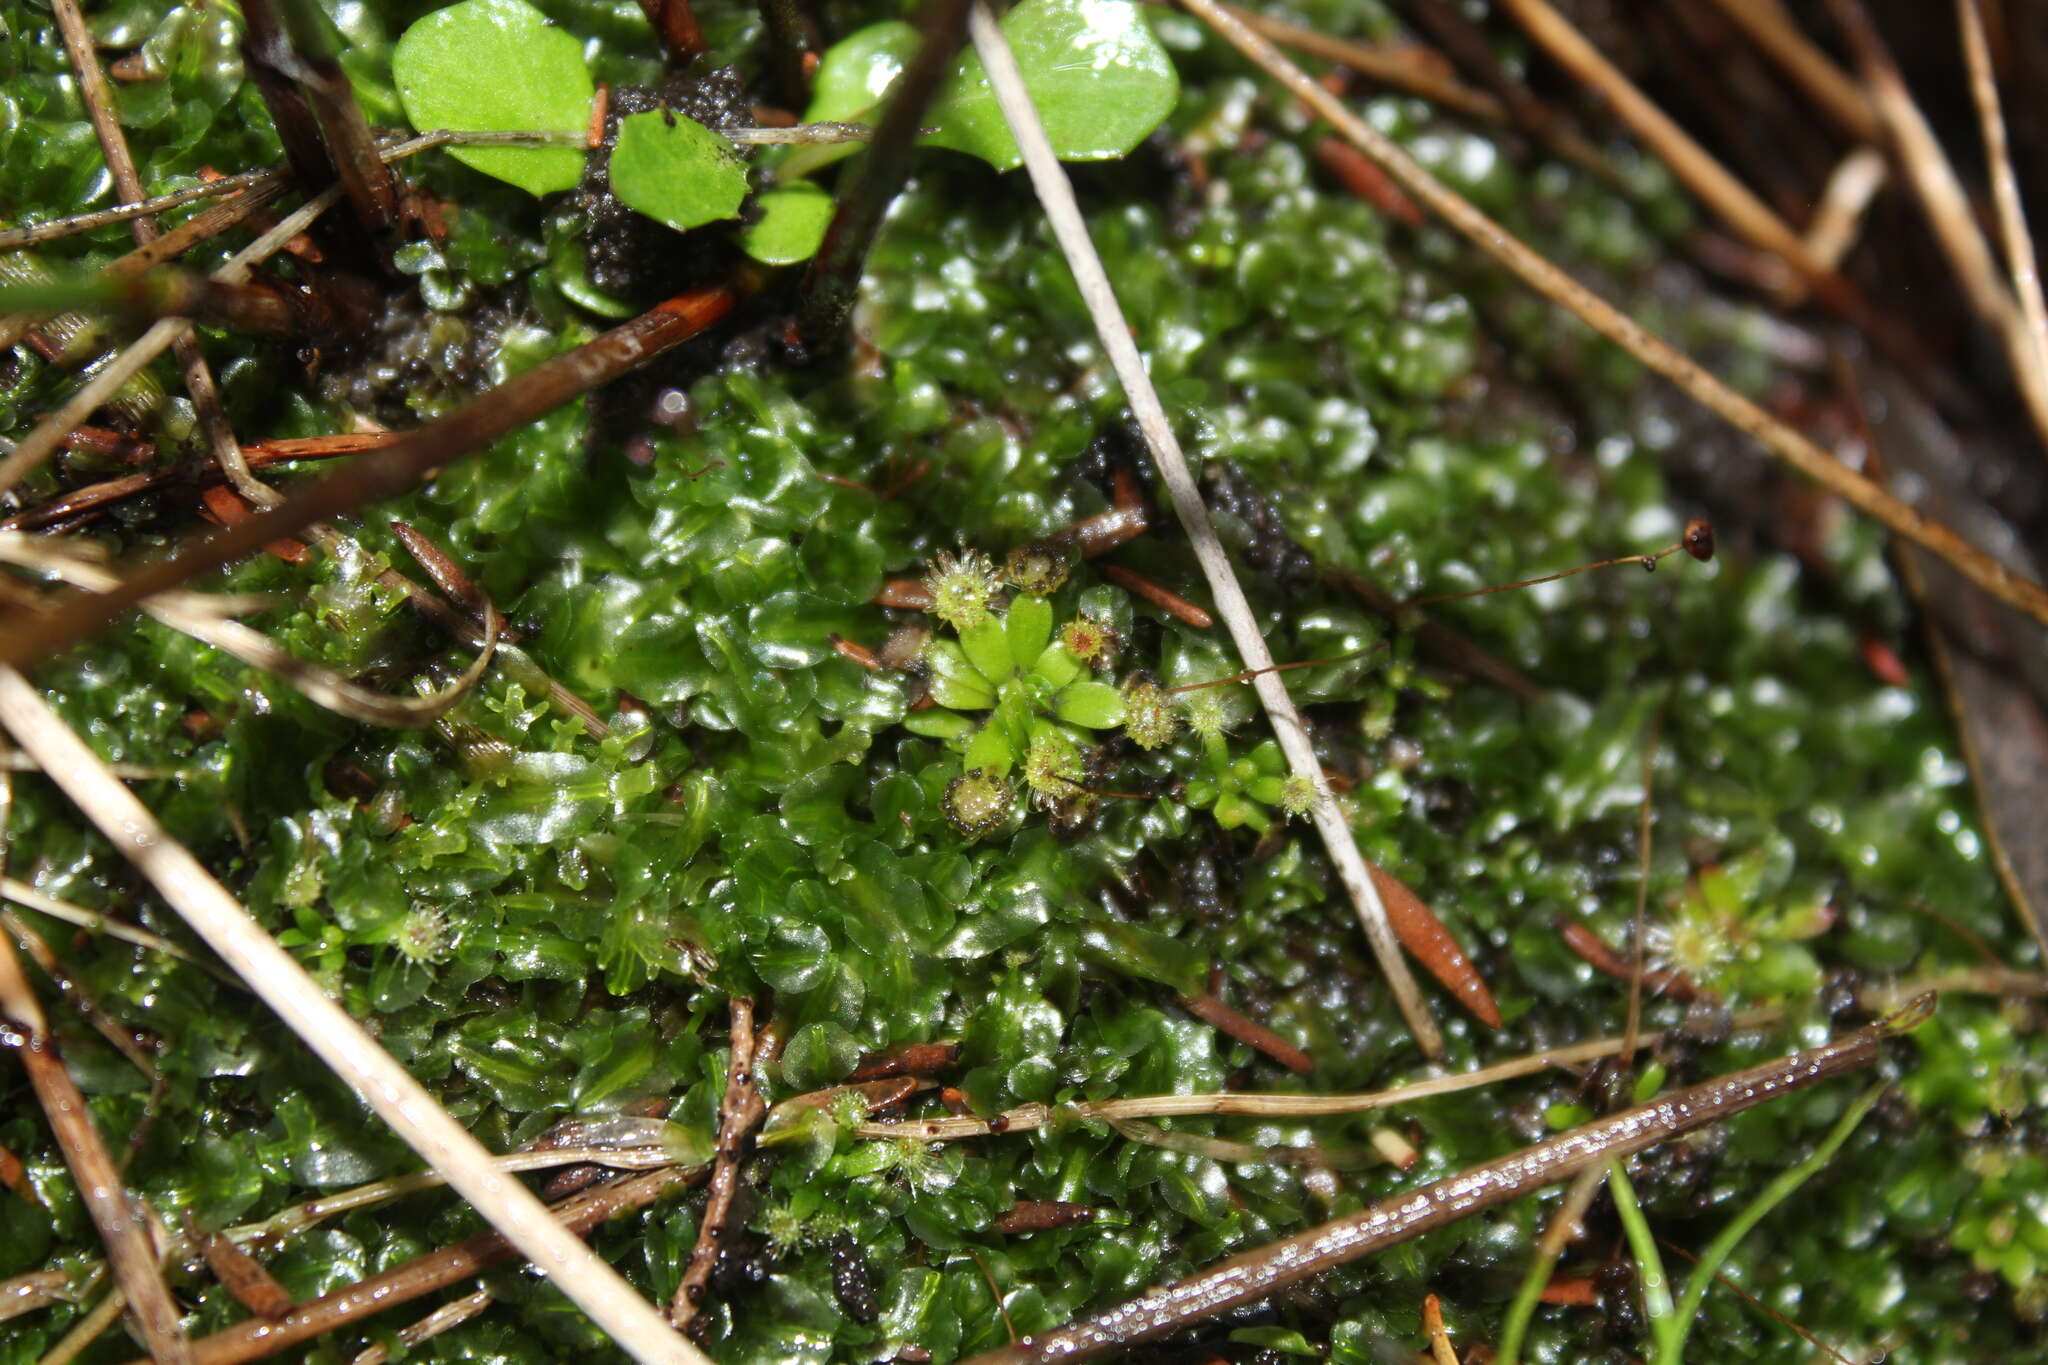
(1029, 627)
(498, 66)
(1101, 82)
(858, 70)
(793, 223)
(1094, 704)
(676, 170)
(988, 649)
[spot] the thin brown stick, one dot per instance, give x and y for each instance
(1691, 163)
(389, 471)
(1655, 353)
(677, 24)
(1256, 1274)
(2005, 194)
(1831, 89)
(87, 1329)
(364, 175)
(1389, 65)
(199, 381)
(76, 994)
(1928, 169)
(740, 1113)
(1248, 1031)
(1856, 180)
(577, 1216)
(834, 274)
(123, 1227)
(1158, 595)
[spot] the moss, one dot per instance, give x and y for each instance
(540, 924)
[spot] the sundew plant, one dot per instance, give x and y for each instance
(612, 548)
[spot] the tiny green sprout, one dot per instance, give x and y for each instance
(1149, 720)
(1038, 569)
(962, 586)
(1297, 796)
(424, 935)
(977, 803)
(918, 1165)
(1091, 641)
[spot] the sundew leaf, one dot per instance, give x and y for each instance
(791, 227)
(676, 170)
(1101, 82)
(498, 66)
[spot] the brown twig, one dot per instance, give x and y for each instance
(1397, 66)
(74, 991)
(2027, 344)
(199, 382)
(792, 49)
(1149, 590)
(391, 470)
(1248, 1031)
(677, 24)
(834, 274)
(1256, 1274)
(1440, 1348)
(35, 447)
(364, 175)
(1654, 353)
(123, 1226)
(1827, 85)
(579, 1215)
(739, 1113)
(1691, 163)
(337, 1039)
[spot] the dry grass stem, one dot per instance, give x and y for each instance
(1056, 194)
(1831, 89)
(443, 1319)
(123, 1226)
(1836, 221)
(329, 1032)
(87, 1329)
(1658, 355)
(76, 994)
(1398, 67)
(21, 893)
(1928, 170)
(1694, 166)
(1030, 1116)
(2028, 345)
(206, 618)
(38, 445)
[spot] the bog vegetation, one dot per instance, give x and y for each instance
(796, 797)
